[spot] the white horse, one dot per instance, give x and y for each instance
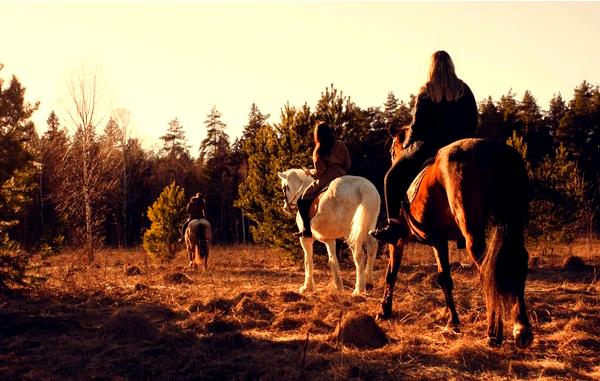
(347, 209)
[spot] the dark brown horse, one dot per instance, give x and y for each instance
(197, 239)
(473, 183)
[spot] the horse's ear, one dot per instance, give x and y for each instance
(281, 175)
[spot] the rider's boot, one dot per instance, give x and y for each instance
(391, 231)
(304, 209)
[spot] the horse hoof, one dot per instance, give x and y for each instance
(523, 336)
(383, 315)
(494, 342)
(453, 327)
(304, 289)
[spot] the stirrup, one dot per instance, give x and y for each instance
(389, 233)
(303, 233)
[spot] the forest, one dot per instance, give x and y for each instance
(85, 183)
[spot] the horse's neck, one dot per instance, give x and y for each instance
(303, 181)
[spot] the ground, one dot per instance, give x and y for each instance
(126, 317)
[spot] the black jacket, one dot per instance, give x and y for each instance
(439, 124)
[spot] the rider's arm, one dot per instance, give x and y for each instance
(421, 118)
(319, 166)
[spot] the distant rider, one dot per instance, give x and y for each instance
(196, 208)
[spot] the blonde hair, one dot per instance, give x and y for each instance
(443, 82)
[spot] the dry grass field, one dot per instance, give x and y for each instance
(127, 318)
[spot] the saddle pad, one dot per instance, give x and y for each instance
(414, 186)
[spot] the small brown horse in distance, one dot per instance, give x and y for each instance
(470, 184)
(197, 238)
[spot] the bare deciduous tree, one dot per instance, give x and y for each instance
(87, 169)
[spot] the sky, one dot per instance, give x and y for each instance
(179, 60)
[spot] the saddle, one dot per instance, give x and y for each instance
(314, 206)
(411, 193)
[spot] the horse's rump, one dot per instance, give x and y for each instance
(200, 230)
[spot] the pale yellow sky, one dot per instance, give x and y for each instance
(163, 60)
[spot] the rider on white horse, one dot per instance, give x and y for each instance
(331, 160)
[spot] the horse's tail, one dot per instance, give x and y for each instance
(504, 267)
(365, 216)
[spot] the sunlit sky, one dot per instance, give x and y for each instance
(163, 60)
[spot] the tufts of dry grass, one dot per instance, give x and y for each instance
(244, 319)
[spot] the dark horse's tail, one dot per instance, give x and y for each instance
(504, 267)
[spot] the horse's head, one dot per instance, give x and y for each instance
(398, 140)
(293, 184)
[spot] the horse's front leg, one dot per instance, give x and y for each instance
(391, 274)
(333, 264)
(307, 247)
(445, 281)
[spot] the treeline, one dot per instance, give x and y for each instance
(90, 185)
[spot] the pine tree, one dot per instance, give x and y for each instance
(216, 143)
(490, 120)
(174, 141)
(559, 202)
(54, 146)
(215, 154)
(18, 174)
(166, 215)
(173, 163)
(556, 111)
(535, 133)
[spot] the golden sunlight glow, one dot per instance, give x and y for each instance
(163, 61)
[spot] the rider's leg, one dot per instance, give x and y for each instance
(396, 183)
(182, 231)
(394, 187)
(304, 209)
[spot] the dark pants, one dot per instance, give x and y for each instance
(402, 173)
(304, 209)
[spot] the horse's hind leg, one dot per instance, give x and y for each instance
(371, 246)
(522, 327)
(333, 264)
(359, 261)
(396, 252)
(445, 281)
(190, 250)
(204, 253)
(307, 247)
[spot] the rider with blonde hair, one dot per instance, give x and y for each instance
(445, 111)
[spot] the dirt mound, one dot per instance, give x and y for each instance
(140, 287)
(361, 331)
(290, 296)
(219, 305)
(132, 270)
(128, 324)
(319, 326)
(177, 278)
(575, 263)
(259, 294)
(196, 306)
(286, 323)
(249, 307)
(220, 325)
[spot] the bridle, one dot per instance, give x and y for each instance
(290, 204)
